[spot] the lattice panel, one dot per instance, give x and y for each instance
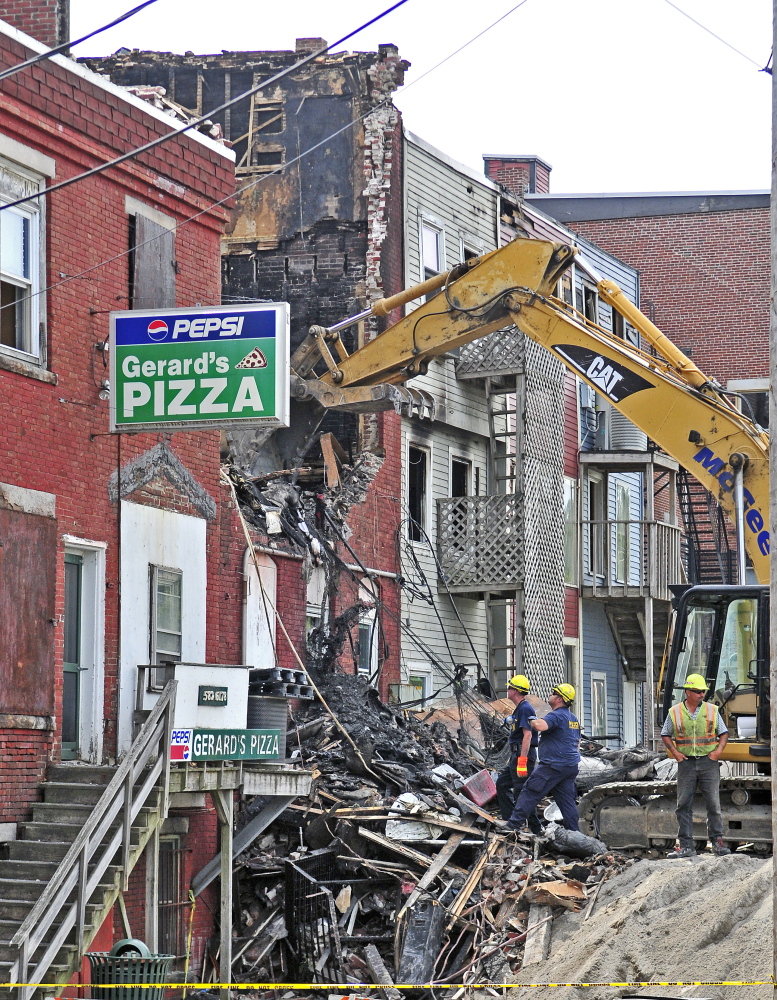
(500, 353)
(543, 469)
(479, 542)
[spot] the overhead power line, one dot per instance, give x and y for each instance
(711, 32)
(66, 46)
(247, 186)
(130, 154)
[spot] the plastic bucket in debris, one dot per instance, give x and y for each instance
(131, 963)
(480, 788)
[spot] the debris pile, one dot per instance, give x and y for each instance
(388, 871)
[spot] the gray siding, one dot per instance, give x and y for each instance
(464, 209)
(600, 655)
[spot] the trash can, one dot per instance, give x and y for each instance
(128, 961)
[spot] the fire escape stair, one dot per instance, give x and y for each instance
(27, 864)
(627, 623)
(61, 878)
(711, 557)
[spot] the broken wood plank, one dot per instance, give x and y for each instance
(380, 974)
(410, 817)
(407, 852)
(434, 869)
(538, 935)
(469, 806)
(472, 882)
(331, 468)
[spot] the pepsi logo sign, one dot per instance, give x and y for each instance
(157, 329)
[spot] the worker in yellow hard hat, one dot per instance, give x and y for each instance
(694, 733)
(559, 759)
(523, 751)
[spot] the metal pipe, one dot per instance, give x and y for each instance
(739, 503)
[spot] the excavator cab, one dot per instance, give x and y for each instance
(722, 633)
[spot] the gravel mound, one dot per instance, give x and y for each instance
(703, 919)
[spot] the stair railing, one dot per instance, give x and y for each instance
(91, 854)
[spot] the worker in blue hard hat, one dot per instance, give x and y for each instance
(523, 752)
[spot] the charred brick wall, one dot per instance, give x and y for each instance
(704, 282)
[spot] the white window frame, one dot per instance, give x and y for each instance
(433, 225)
(470, 473)
(259, 599)
(622, 546)
(744, 386)
(314, 600)
(471, 245)
(596, 534)
(21, 181)
(426, 506)
(423, 670)
(596, 677)
(573, 645)
(158, 678)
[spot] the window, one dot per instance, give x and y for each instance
(570, 661)
(752, 398)
(254, 153)
(151, 261)
(368, 642)
(587, 302)
(316, 595)
(431, 250)
(166, 621)
(420, 681)
(19, 268)
(416, 493)
(72, 656)
(622, 532)
(596, 525)
(460, 477)
(598, 704)
(570, 531)
(564, 288)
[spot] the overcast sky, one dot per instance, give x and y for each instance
(617, 95)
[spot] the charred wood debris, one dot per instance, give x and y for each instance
(396, 868)
(388, 872)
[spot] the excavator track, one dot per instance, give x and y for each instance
(638, 817)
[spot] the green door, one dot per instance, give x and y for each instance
(71, 686)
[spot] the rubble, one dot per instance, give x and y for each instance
(387, 869)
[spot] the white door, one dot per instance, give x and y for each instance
(258, 614)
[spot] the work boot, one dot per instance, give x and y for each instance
(682, 852)
(719, 848)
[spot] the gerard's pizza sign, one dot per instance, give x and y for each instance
(184, 369)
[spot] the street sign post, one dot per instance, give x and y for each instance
(201, 368)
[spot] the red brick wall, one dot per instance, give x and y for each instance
(515, 174)
(45, 20)
(704, 281)
(58, 441)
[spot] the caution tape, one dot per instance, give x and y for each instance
(348, 988)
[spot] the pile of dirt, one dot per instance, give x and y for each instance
(704, 919)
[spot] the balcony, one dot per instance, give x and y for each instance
(630, 559)
(480, 543)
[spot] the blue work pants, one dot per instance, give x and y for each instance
(557, 781)
(509, 785)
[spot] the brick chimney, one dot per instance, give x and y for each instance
(48, 21)
(304, 45)
(519, 174)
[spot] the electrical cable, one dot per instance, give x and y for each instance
(66, 46)
(710, 32)
(130, 154)
(246, 187)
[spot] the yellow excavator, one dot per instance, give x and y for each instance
(720, 632)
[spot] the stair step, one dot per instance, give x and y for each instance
(17, 910)
(18, 888)
(59, 833)
(63, 956)
(74, 793)
(36, 850)
(80, 773)
(58, 812)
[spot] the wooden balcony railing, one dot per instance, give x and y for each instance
(480, 542)
(630, 558)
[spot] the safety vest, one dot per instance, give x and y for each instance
(695, 737)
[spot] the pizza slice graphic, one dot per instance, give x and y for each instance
(253, 360)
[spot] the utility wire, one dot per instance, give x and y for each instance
(66, 46)
(130, 154)
(710, 32)
(246, 187)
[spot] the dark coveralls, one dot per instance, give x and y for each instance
(554, 775)
(508, 784)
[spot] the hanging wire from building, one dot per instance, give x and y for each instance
(66, 46)
(196, 122)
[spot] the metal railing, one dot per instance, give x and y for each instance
(630, 558)
(94, 850)
(480, 542)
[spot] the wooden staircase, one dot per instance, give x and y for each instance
(61, 878)
(28, 864)
(627, 622)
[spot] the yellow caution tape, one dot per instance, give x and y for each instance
(398, 986)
